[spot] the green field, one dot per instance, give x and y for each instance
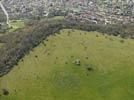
(48, 72)
(16, 24)
(1, 45)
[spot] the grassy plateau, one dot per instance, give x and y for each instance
(105, 70)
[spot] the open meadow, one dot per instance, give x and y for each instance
(74, 65)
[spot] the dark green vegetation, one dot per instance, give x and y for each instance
(124, 31)
(73, 65)
(18, 43)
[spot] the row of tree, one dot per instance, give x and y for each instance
(124, 31)
(19, 43)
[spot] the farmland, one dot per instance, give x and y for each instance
(48, 72)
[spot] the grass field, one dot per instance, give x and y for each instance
(48, 72)
(16, 24)
(58, 18)
(54, 18)
(1, 45)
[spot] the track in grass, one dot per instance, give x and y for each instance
(106, 70)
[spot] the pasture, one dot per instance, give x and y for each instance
(105, 70)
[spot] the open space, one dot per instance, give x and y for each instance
(16, 24)
(74, 65)
(1, 45)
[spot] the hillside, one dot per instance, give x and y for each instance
(66, 49)
(104, 69)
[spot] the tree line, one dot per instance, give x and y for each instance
(17, 44)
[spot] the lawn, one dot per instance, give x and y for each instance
(105, 71)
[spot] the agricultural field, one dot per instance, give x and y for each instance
(74, 65)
